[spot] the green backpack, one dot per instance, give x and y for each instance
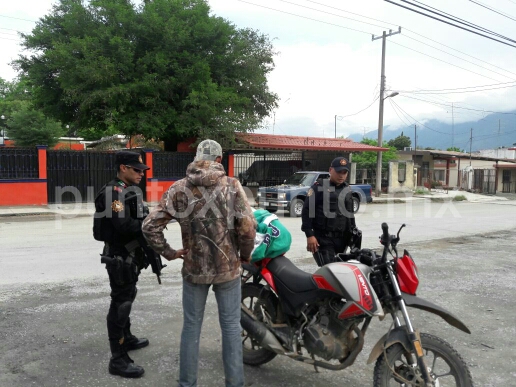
(272, 238)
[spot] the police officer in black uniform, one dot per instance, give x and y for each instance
(119, 213)
(328, 219)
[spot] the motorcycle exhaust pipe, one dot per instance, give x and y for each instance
(259, 332)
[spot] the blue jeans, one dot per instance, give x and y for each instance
(228, 297)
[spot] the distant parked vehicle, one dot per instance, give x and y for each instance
(270, 172)
(291, 194)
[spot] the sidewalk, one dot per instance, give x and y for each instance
(69, 210)
(439, 197)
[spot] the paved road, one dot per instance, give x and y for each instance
(51, 248)
(54, 298)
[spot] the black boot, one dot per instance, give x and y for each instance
(131, 342)
(120, 362)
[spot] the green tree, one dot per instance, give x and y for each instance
(14, 96)
(400, 142)
(30, 127)
(368, 159)
(166, 69)
(455, 149)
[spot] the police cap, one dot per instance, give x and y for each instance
(340, 164)
(131, 159)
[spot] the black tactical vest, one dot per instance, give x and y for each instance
(333, 209)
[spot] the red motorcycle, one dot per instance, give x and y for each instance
(321, 318)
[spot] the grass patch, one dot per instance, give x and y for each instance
(420, 191)
(459, 198)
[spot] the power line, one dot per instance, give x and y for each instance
(458, 57)
(463, 53)
(17, 18)
(14, 40)
(11, 29)
(457, 106)
(423, 91)
(492, 10)
(329, 13)
(395, 111)
(461, 92)
(304, 17)
(352, 13)
(446, 22)
(433, 130)
(457, 19)
(354, 114)
(451, 64)
(8, 33)
(413, 32)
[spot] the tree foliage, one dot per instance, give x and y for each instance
(23, 123)
(400, 142)
(368, 159)
(30, 127)
(166, 69)
(455, 149)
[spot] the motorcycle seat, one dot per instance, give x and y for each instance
(295, 279)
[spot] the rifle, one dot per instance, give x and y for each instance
(150, 256)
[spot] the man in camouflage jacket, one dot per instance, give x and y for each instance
(218, 231)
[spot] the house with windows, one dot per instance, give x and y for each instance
(473, 172)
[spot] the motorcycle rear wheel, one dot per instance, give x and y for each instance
(255, 355)
(445, 364)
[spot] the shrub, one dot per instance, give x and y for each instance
(459, 198)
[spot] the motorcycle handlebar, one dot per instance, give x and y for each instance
(385, 236)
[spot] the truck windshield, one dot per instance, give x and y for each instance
(306, 179)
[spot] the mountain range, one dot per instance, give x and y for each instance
(493, 131)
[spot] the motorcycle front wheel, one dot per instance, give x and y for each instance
(445, 364)
(263, 310)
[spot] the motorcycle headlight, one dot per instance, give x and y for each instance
(259, 194)
(282, 196)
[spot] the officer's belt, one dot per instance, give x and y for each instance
(330, 234)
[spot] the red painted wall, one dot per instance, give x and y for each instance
(156, 188)
(68, 146)
(23, 193)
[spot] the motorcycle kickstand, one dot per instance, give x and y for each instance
(315, 367)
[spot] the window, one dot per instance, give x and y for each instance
(439, 175)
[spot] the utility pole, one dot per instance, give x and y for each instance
(415, 143)
(452, 125)
(470, 142)
(335, 126)
(378, 188)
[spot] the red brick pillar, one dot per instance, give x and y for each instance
(41, 190)
(148, 161)
(231, 165)
(42, 161)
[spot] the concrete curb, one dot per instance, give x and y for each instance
(21, 211)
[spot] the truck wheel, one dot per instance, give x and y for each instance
(296, 208)
(356, 204)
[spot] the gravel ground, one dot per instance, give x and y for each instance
(54, 334)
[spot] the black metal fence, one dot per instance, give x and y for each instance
(18, 163)
(170, 165)
(76, 176)
(478, 180)
(273, 167)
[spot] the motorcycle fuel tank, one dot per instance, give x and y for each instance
(351, 280)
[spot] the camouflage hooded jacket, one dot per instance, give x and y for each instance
(217, 224)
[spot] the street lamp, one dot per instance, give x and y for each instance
(69, 136)
(2, 142)
(378, 189)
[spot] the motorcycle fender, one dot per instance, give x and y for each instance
(419, 303)
(397, 335)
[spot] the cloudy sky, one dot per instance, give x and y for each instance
(327, 64)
